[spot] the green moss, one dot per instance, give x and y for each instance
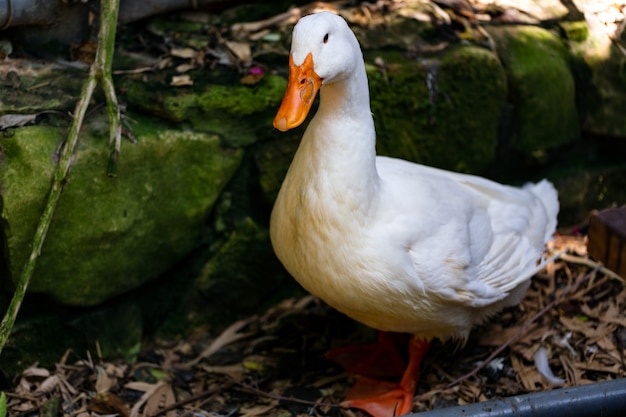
(441, 112)
(239, 113)
(243, 100)
(110, 235)
(215, 108)
(26, 168)
(577, 31)
(247, 286)
(168, 26)
(154, 96)
(179, 106)
(272, 162)
(603, 94)
(541, 87)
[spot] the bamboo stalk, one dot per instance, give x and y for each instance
(100, 71)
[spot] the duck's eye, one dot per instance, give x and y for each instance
(326, 38)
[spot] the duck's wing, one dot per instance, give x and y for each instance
(494, 233)
(522, 221)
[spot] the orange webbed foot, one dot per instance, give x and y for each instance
(379, 398)
(385, 358)
(388, 399)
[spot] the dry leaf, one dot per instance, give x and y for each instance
(108, 403)
(48, 384)
(257, 410)
(164, 62)
(160, 398)
(181, 80)
(575, 324)
(140, 386)
(251, 79)
(235, 371)
(107, 378)
(241, 50)
(228, 336)
(25, 407)
(34, 370)
(186, 53)
(184, 68)
(530, 378)
(572, 372)
(149, 390)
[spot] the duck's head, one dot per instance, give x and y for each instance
(323, 51)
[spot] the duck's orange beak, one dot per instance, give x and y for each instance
(301, 90)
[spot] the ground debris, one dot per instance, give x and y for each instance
(273, 363)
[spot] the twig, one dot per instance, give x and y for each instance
(100, 70)
(192, 399)
(550, 305)
(103, 64)
(248, 27)
(252, 390)
(591, 264)
(58, 182)
(21, 396)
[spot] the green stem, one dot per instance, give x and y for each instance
(105, 58)
(100, 71)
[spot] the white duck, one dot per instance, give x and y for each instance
(397, 246)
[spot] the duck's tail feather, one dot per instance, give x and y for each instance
(547, 194)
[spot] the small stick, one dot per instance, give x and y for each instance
(97, 72)
(248, 388)
(192, 399)
(591, 264)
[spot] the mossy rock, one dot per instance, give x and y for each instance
(598, 188)
(442, 111)
(238, 113)
(541, 87)
(35, 87)
(109, 235)
(272, 160)
(397, 32)
(244, 276)
(603, 88)
(575, 31)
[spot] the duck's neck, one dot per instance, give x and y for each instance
(339, 144)
(348, 99)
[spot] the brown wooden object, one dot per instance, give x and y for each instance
(607, 239)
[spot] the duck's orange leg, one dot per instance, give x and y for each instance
(385, 358)
(386, 399)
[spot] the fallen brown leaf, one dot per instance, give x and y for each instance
(108, 403)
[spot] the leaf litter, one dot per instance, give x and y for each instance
(569, 330)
